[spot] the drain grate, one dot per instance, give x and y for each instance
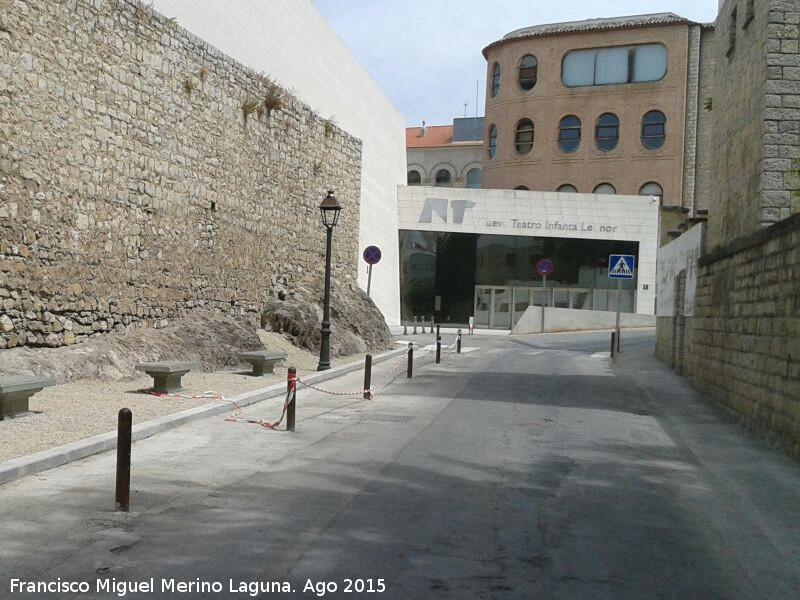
(386, 418)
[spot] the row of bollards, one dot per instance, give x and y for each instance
(122, 497)
(410, 367)
(414, 330)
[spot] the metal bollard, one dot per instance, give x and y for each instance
(291, 393)
(619, 337)
(458, 342)
(613, 346)
(423, 325)
(367, 376)
(410, 368)
(438, 345)
(415, 325)
(122, 498)
(405, 326)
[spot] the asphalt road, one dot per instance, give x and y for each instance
(528, 467)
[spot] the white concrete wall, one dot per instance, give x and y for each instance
(679, 254)
(290, 41)
(542, 214)
(569, 319)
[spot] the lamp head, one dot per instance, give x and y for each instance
(329, 210)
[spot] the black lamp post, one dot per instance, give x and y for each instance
(329, 210)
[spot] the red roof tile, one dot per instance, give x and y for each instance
(435, 135)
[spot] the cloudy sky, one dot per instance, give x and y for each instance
(426, 54)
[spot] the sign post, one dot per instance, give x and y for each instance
(372, 256)
(620, 266)
(544, 267)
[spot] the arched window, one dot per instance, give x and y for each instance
(523, 136)
(443, 178)
(522, 187)
(605, 188)
(492, 147)
(651, 189)
(528, 72)
(569, 134)
(414, 178)
(474, 178)
(567, 188)
(495, 79)
(606, 132)
(654, 129)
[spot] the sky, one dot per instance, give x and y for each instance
(426, 54)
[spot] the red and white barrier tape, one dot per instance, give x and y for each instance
(290, 395)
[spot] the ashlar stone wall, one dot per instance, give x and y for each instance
(756, 114)
(141, 175)
(742, 347)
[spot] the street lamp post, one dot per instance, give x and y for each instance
(329, 210)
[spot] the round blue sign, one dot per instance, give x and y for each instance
(545, 267)
(372, 255)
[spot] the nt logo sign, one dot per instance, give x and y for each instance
(445, 211)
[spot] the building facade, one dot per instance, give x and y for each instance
(446, 155)
(473, 253)
(605, 106)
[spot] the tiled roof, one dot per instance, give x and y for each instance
(604, 24)
(436, 136)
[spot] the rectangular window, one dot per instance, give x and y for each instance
(608, 66)
(731, 32)
(649, 62)
(749, 13)
(578, 68)
(611, 66)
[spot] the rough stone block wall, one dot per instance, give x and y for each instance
(745, 336)
(141, 177)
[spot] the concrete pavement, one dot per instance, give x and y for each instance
(528, 468)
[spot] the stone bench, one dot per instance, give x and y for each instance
(166, 375)
(263, 362)
(16, 390)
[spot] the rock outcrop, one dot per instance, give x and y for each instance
(356, 323)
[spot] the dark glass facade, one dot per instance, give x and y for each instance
(440, 271)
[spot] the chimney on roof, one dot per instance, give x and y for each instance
(423, 130)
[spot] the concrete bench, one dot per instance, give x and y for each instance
(166, 375)
(15, 392)
(263, 361)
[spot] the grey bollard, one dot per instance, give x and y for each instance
(405, 326)
(415, 325)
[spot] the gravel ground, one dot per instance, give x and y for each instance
(80, 409)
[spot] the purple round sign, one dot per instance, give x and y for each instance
(545, 267)
(372, 255)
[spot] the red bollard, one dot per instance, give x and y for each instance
(291, 395)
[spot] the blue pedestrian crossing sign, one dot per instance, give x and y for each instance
(620, 266)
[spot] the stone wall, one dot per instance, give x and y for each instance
(743, 345)
(139, 178)
(756, 107)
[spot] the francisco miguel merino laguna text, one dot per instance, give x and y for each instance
(123, 588)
